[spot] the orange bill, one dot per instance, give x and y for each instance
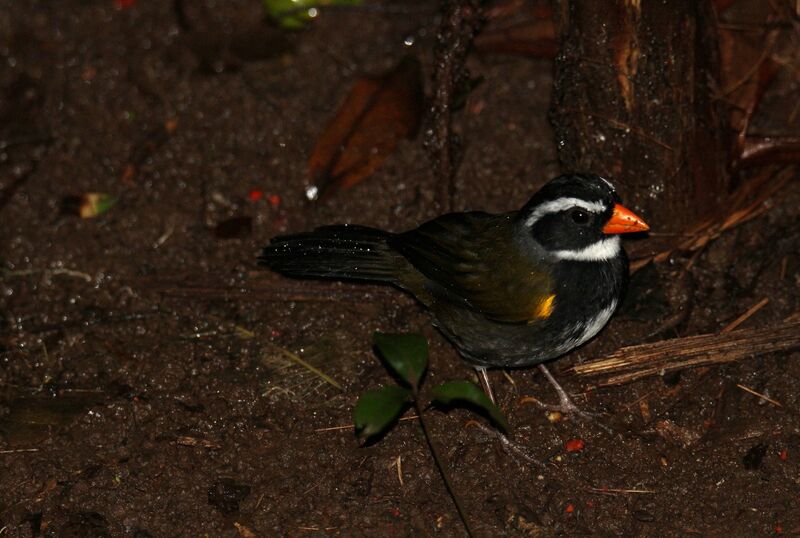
(624, 221)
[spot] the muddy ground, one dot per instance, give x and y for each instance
(145, 381)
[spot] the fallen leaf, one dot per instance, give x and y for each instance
(88, 205)
(244, 532)
(377, 113)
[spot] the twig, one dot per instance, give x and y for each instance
(398, 463)
(747, 315)
(460, 22)
(769, 149)
(48, 273)
(294, 357)
(351, 426)
(635, 362)
(764, 187)
(762, 396)
(16, 450)
(750, 72)
(622, 126)
(185, 440)
(611, 491)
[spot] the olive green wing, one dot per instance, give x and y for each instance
(472, 259)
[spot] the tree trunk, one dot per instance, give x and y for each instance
(633, 101)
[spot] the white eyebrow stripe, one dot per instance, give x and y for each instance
(607, 182)
(562, 204)
(603, 250)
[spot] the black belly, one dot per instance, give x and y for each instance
(586, 290)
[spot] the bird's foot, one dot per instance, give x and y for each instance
(566, 406)
(515, 450)
(484, 379)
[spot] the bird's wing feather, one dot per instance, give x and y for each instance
(474, 261)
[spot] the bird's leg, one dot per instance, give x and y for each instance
(566, 404)
(484, 378)
(515, 450)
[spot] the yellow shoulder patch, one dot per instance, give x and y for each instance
(544, 308)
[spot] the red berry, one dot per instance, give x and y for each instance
(574, 445)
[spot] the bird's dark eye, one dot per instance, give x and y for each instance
(579, 216)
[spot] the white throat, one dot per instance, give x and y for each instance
(603, 250)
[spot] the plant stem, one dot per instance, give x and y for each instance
(437, 457)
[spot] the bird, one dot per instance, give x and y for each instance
(509, 290)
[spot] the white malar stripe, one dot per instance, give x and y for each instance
(562, 204)
(602, 250)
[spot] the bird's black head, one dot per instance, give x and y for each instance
(577, 217)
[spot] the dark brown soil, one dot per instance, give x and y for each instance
(145, 388)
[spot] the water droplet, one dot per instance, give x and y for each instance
(312, 192)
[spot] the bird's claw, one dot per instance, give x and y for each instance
(566, 407)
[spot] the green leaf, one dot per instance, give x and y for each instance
(95, 203)
(294, 14)
(377, 409)
(455, 393)
(405, 353)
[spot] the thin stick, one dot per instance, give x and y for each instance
(437, 457)
(460, 21)
(762, 396)
(294, 357)
(635, 362)
(615, 490)
(14, 451)
(747, 315)
(750, 72)
(185, 440)
(398, 463)
(350, 426)
(762, 187)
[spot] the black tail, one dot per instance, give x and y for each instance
(339, 252)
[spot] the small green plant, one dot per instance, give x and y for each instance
(406, 356)
(294, 14)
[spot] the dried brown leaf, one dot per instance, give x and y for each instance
(376, 115)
